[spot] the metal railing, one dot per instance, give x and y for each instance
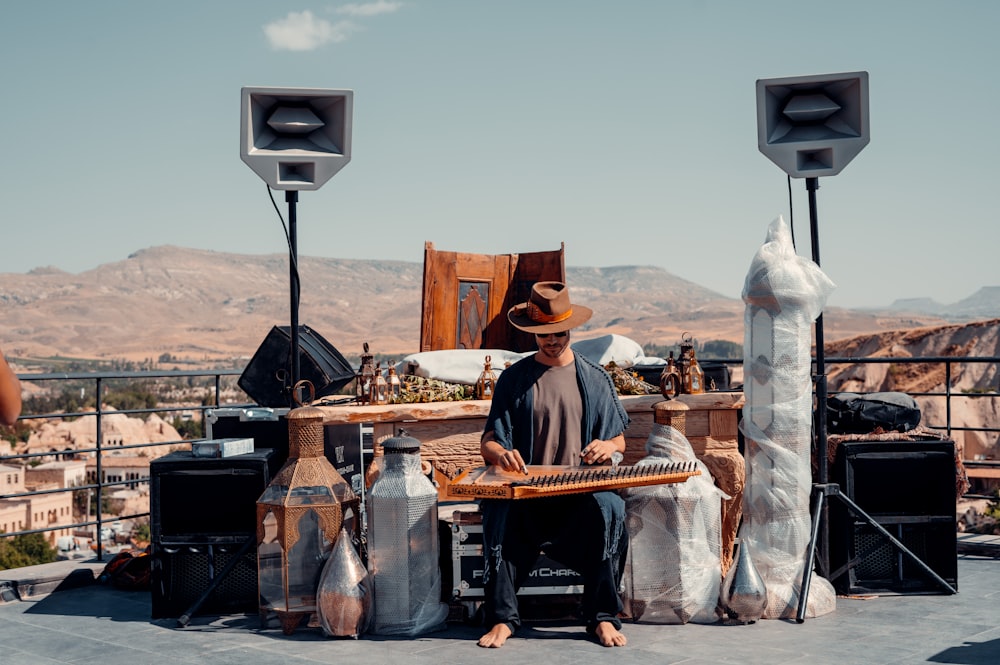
(98, 485)
(100, 380)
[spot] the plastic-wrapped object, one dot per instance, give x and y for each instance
(403, 544)
(783, 293)
(344, 597)
(673, 569)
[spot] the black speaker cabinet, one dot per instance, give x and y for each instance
(908, 488)
(266, 377)
(181, 573)
(202, 511)
(343, 444)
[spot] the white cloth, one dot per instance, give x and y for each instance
(456, 365)
(465, 365)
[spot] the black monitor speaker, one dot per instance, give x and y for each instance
(203, 513)
(908, 487)
(266, 378)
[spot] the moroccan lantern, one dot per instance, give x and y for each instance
(395, 385)
(299, 516)
(379, 387)
(487, 381)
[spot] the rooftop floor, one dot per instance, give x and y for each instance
(63, 617)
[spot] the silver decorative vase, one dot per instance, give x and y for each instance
(744, 595)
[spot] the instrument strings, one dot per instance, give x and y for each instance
(604, 474)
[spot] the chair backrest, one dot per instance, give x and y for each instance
(466, 297)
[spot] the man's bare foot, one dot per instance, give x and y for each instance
(608, 635)
(496, 637)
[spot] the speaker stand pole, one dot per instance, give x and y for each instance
(292, 198)
(820, 509)
(823, 489)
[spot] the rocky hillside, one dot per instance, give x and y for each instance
(213, 307)
(974, 385)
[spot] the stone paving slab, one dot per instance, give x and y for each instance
(99, 625)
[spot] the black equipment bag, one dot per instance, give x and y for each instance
(851, 413)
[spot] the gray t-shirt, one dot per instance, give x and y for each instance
(558, 417)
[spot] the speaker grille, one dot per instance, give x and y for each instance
(181, 575)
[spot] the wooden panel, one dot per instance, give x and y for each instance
(723, 424)
(506, 279)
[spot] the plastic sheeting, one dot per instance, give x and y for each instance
(403, 549)
(673, 569)
(783, 293)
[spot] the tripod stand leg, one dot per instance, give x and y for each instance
(185, 618)
(817, 506)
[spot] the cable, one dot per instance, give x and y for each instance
(288, 241)
(791, 210)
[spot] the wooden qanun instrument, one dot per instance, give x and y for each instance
(491, 482)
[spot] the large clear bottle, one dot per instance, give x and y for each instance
(403, 544)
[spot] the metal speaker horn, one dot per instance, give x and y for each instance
(296, 138)
(812, 126)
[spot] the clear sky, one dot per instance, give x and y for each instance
(625, 129)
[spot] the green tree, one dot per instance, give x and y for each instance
(25, 550)
(189, 429)
(722, 349)
(141, 533)
(130, 398)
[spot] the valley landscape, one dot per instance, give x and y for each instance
(207, 308)
(173, 307)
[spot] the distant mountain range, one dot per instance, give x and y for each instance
(211, 307)
(984, 303)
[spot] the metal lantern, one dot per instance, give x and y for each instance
(670, 379)
(299, 516)
(394, 390)
(378, 389)
(366, 376)
(487, 381)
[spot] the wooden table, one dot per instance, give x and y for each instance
(449, 434)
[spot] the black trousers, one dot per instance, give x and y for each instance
(569, 529)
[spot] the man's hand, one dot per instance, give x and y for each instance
(599, 451)
(495, 454)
